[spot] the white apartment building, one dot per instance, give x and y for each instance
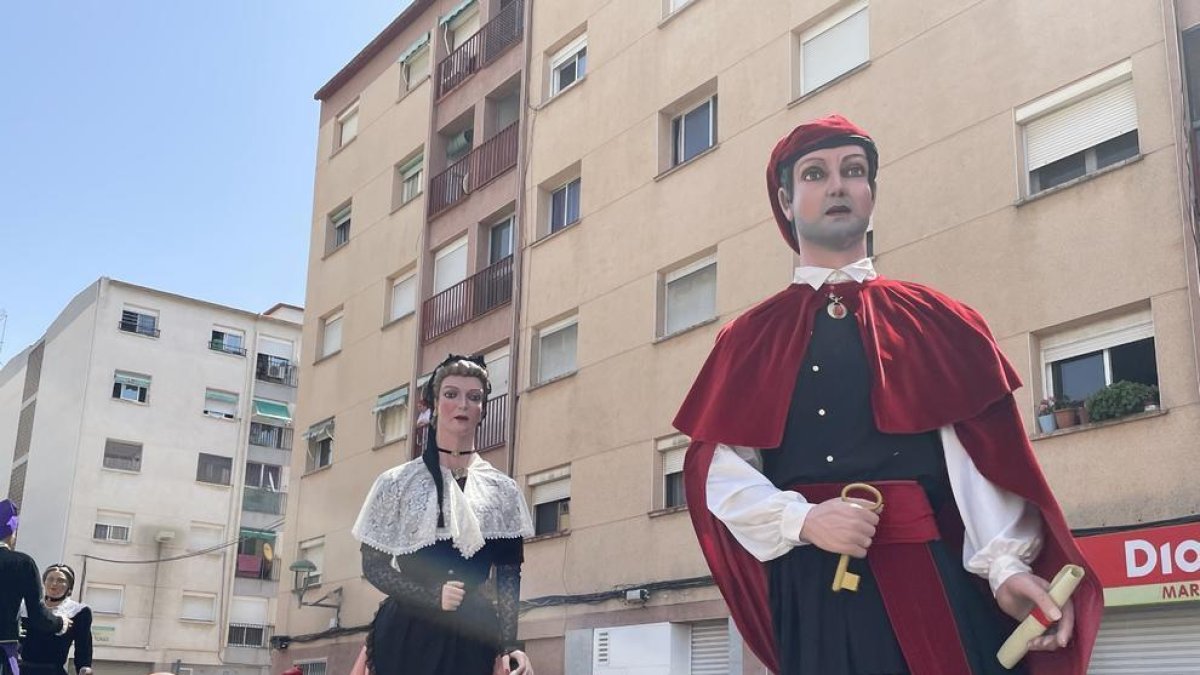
(146, 437)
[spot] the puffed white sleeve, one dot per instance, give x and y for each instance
(1003, 531)
(765, 520)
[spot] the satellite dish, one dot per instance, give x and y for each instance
(268, 552)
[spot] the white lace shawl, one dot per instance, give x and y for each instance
(399, 515)
(67, 609)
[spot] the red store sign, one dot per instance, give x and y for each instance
(1147, 566)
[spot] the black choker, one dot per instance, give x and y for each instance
(456, 453)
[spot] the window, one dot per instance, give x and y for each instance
(227, 340)
(461, 23)
(694, 131)
(220, 404)
(131, 387)
(311, 668)
(256, 557)
(409, 180)
(214, 469)
(391, 416)
(338, 233)
(834, 46)
(122, 456)
(198, 607)
(347, 125)
(709, 651)
(320, 445)
(265, 476)
(450, 265)
(112, 526)
(564, 205)
(140, 321)
(270, 435)
(568, 65)
(497, 367)
(248, 619)
(205, 537)
(1079, 129)
(105, 598)
(551, 497)
(331, 334)
(1081, 361)
(689, 295)
(671, 451)
(414, 64)
(556, 345)
(500, 240)
(403, 297)
(313, 550)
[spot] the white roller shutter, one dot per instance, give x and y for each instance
(248, 611)
(1081, 125)
(1161, 640)
(552, 491)
(710, 648)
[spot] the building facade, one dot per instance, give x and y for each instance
(1037, 163)
(151, 437)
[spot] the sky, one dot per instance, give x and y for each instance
(167, 143)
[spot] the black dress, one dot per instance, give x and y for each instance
(46, 654)
(20, 582)
(831, 437)
(413, 635)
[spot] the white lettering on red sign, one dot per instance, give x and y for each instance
(1141, 558)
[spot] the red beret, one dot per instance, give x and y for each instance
(826, 132)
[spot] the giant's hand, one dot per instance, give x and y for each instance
(452, 595)
(1018, 595)
(841, 526)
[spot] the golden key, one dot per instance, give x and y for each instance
(843, 578)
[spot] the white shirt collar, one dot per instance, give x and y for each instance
(858, 272)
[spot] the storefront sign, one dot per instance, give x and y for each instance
(1147, 566)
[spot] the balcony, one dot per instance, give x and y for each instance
(249, 635)
(497, 155)
(482, 48)
(250, 566)
(222, 346)
(470, 298)
(262, 500)
(275, 369)
(269, 436)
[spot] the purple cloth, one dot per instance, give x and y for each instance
(8, 518)
(10, 651)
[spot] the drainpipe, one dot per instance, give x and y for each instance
(154, 592)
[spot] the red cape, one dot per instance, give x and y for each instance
(933, 362)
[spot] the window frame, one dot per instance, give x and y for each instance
(559, 478)
(311, 543)
(200, 459)
(400, 411)
(573, 53)
(409, 278)
(670, 277)
(565, 189)
(216, 412)
(669, 451)
(105, 457)
(98, 607)
(547, 331)
(139, 313)
(337, 219)
(210, 597)
(115, 519)
(406, 172)
(142, 395)
(679, 131)
(318, 443)
(823, 27)
(1088, 338)
(333, 317)
(351, 111)
(219, 344)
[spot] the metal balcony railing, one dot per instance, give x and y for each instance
(269, 436)
(262, 500)
(249, 635)
(275, 369)
(472, 297)
(491, 431)
(220, 346)
(495, 156)
(133, 326)
(482, 48)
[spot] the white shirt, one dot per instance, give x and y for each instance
(1003, 532)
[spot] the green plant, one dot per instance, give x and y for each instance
(1046, 406)
(1120, 399)
(1063, 403)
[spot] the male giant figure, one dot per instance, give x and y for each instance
(844, 377)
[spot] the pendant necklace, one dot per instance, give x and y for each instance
(835, 309)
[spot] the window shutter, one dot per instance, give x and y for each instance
(552, 491)
(1081, 125)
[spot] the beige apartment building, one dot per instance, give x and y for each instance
(1038, 162)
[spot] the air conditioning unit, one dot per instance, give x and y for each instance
(276, 370)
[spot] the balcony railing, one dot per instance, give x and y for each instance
(221, 346)
(275, 369)
(262, 500)
(268, 436)
(482, 48)
(495, 156)
(491, 431)
(472, 297)
(250, 566)
(139, 328)
(249, 635)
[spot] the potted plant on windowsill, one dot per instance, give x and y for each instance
(1120, 399)
(1064, 412)
(1045, 416)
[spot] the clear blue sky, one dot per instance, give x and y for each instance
(168, 143)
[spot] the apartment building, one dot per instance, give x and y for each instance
(150, 438)
(1037, 163)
